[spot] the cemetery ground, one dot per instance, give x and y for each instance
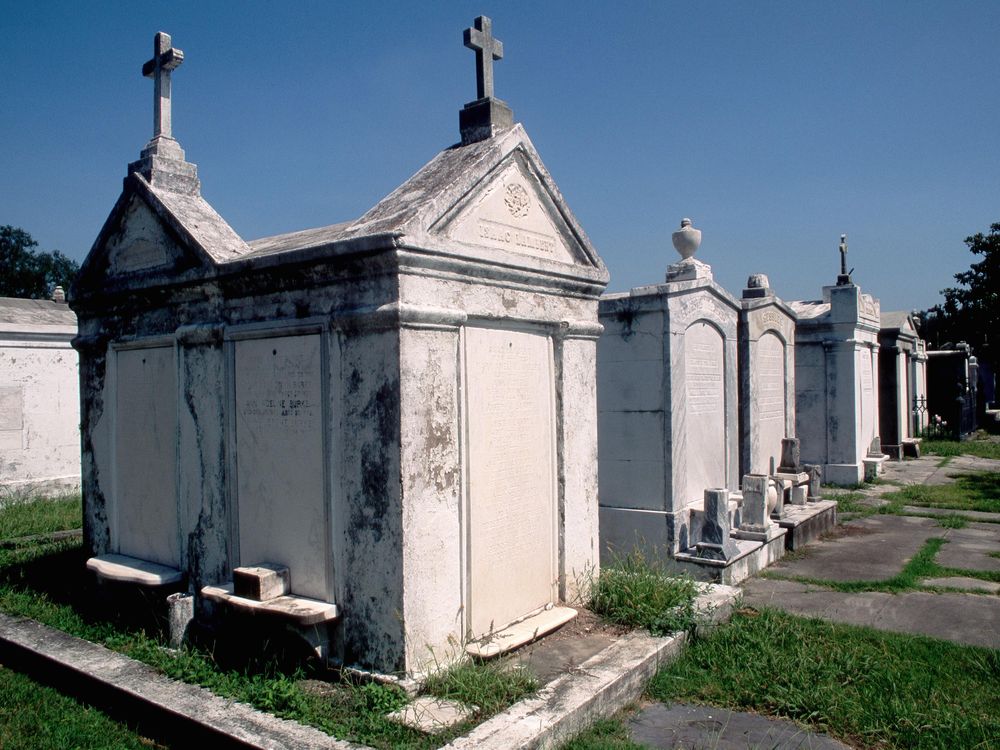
(864, 686)
(882, 635)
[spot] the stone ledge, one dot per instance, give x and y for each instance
(601, 686)
(806, 523)
(299, 609)
(520, 633)
(125, 569)
(184, 715)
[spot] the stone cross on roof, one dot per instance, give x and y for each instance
(487, 48)
(487, 115)
(165, 58)
(844, 277)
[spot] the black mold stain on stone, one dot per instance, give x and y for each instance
(354, 381)
(626, 316)
(376, 458)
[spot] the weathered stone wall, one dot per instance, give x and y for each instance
(39, 416)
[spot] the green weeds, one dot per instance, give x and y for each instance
(492, 686)
(980, 492)
(39, 516)
(36, 716)
(869, 688)
(633, 592)
(952, 521)
(982, 448)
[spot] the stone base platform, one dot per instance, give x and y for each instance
(752, 558)
(516, 635)
(804, 523)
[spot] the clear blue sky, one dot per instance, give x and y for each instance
(774, 125)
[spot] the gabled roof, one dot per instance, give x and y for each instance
(489, 202)
(14, 310)
(493, 195)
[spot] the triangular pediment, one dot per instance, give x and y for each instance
(141, 243)
(511, 209)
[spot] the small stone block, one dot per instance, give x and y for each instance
(432, 715)
(520, 633)
(800, 494)
(125, 569)
(688, 270)
(261, 582)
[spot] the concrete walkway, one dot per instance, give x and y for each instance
(869, 549)
(878, 547)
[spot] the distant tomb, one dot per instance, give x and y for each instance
(669, 426)
(768, 443)
(382, 431)
(902, 384)
(836, 381)
(39, 397)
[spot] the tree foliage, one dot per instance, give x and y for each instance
(971, 311)
(29, 273)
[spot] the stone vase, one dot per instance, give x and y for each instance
(772, 497)
(686, 240)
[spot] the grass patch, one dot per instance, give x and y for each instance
(35, 716)
(868, 688)
(952, 521)
(47, 582)
(635, 593)
(40, 516)
(980, 448)
(851, 502)
(492, 686)
(921, 565)
(980, 492)
(606, 734)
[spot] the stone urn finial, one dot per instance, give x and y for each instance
(686, 239)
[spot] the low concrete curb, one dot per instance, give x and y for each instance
(140, 696)
(185, 714)
(600, 687)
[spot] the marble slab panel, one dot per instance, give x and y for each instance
(146, 455)
(511, 439)
(281, 496)
(705, 417)
(768, 403)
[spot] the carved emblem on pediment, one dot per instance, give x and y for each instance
(517, 200)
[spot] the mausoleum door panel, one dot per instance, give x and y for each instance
(705, 410)
(279, 456)
(768, 401)
(511, 476)
(146, 518)
(867, 400)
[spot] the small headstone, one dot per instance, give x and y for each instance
(790, 456)
(716, 543)
(754, 519)
(815, 472)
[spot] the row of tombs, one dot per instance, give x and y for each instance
(425, 427)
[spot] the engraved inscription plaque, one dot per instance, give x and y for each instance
(867, 400)
(279, 459)
(705, 421)
(146, 454)
(768, 401)
(512, 552)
